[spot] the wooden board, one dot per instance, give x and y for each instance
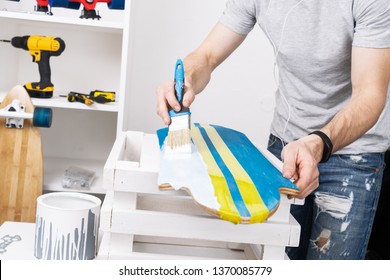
(226, 175)
(21, 167)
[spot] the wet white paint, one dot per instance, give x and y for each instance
(188, 171)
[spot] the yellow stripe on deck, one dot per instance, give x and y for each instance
(250, 195)
(228, 210)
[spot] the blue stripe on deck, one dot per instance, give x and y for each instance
(234, 191)
(263, 174)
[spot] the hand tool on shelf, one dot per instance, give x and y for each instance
(41, 49)
(101, 96)
(97, 96)
(78, 97)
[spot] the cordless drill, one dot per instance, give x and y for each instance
(41, 48)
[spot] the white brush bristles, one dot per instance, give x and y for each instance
(179, 141)
(179, 135)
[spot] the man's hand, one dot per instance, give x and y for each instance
(370, 81)
(166, 99)
(300, 163)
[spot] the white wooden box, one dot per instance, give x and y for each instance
(141, 222)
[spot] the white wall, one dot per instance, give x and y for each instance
(240, 94)
(8, 56)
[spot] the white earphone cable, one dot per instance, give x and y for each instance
(276, 51)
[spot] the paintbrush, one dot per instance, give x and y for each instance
(179, 138)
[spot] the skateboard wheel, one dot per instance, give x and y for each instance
(116, 5)
(64, 4)
(42, 117)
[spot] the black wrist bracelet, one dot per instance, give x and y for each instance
(328, 146)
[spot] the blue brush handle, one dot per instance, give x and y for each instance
(179, 80)
(179, 89)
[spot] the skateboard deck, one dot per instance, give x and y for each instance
(21, 166)
(226, 175)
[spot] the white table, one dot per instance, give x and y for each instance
(17, 241)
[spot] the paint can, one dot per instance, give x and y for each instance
(67, 225)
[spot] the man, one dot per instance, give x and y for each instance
(333, 59)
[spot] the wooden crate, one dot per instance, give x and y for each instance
(141, 222)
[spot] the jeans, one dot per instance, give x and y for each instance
(337, 218)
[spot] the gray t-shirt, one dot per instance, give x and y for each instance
(312, 41)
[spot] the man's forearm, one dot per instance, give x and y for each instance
(355, 119)
(197, 70)
(370, 81)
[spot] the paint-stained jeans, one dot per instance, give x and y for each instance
(337, 218)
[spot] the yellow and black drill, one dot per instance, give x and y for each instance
(41, 48)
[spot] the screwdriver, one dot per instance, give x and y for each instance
(78, 97)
